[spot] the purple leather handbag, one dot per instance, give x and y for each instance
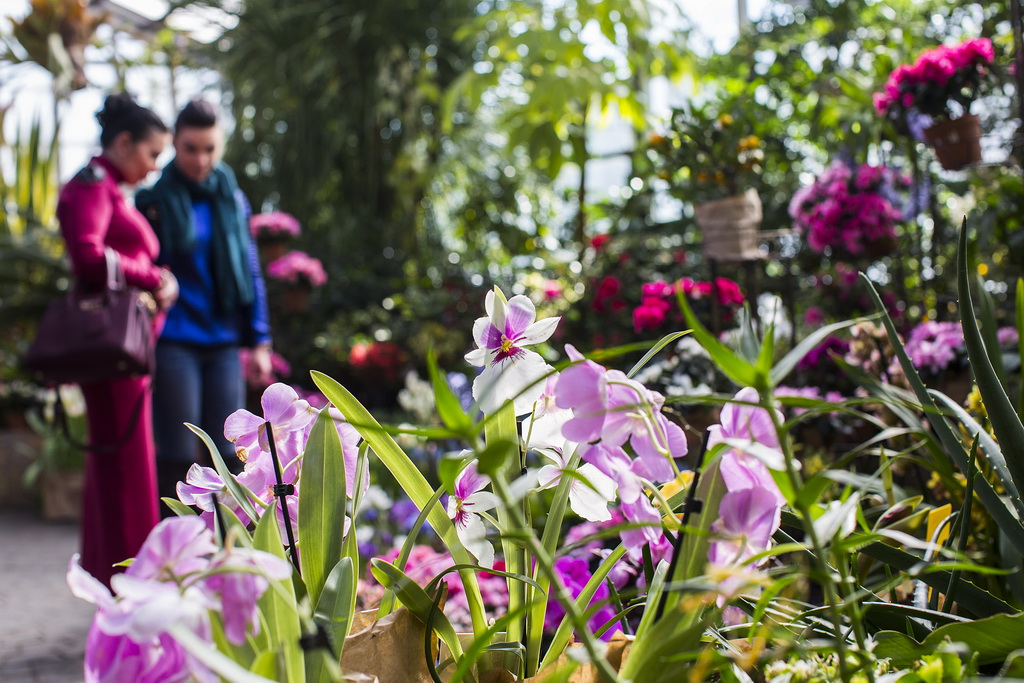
(92, 337)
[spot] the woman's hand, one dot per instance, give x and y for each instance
(167, 293)
(260, 368)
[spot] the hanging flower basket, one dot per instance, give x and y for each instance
(730, 227)
(957, 142)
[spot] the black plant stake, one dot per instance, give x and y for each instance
(281, 490)
(692, 505)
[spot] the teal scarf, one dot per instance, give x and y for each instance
(173, 195)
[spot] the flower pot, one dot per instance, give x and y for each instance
(296, 299)
(272, 249)
(957, 142)
(730, 227)
(62, 495)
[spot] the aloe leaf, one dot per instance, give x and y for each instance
(1004, 419)
(954, 448)
(321, 504)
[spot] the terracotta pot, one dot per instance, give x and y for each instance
(271, 250)
(730, 227)
(296, 299)
(62, 495)
(957, 142)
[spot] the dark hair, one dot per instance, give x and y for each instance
(196, 114)
(122, 113)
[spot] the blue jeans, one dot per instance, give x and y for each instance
(199, 385)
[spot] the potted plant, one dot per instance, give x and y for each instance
(59, 466)
(711, 158)
(301, 272)
(272, 232)
(848, 211)
(934, 94)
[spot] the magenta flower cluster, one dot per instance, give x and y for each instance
(178, 578)
(933, 346)
(845, 210)
(298, 267)
(658, 299)
(273, 225)
(940, 75)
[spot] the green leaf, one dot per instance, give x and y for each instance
(661, 343)
(496, 456)
(954, 448)
(337, 603)
(991, 639)
(237, 491)
(278, 603)
(416, 601)
(411, 481)
(973, 599)
(387, 602)
(448, 407)
(177, 507)
(808, 344)
(1005, 422)
(448, 469)
(321, 504)
(735, 368)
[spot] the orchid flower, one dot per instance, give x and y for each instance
(240, 577)
(748, 519)
(590, 491)
(468, 500)
(511, 372)
(287, 414)
(750, 428)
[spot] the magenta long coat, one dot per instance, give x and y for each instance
(119, 506)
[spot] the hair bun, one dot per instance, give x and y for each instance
(116, 107)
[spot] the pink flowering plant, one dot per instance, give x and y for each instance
(848, 211)
(298, 268)
(941, 83)
(705, 548)
(274, 226)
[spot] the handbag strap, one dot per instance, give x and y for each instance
(115, 273)
(60, 418)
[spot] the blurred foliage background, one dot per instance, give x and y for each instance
(432, 150)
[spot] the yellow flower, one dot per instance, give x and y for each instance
(750, 142)
(725, 120)
(680, 483)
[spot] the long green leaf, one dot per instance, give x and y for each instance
(735, 368)
(337, 603)
(1005, 421)
(449, 409)
(278, 603)
(416, 601)
(387, 602)
(658, 346)
(954, 448)
(411, 481)
(975, 600)
(991, 640)
(808, 344)
(237, 491)
(321, 504)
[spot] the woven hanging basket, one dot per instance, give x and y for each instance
(730, 227)
(957, 142)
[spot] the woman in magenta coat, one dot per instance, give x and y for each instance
(119, 506)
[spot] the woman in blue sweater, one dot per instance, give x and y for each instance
(201, 218)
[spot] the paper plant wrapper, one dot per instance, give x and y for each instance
(389, 650)
(615, 654)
